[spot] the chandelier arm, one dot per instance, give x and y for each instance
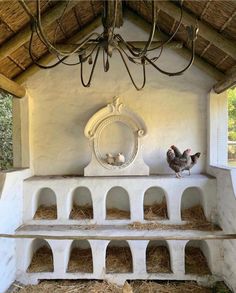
(92, 71)
(131, 78)
(173, 35)
(77, 63)
(127, 45)
(178, 72)
(59, 22)
(26, 8)
(36, 62)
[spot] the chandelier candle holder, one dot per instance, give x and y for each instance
(87, 51)
(115, 133)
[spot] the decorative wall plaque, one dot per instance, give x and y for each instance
(115, 133)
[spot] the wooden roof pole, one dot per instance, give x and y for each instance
(11, 87)
(227, 82)
(23, 36)
(205, 30)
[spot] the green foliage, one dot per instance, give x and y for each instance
(232, 114)
(6, 149)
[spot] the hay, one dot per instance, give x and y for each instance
(158, 259)
(80, 261)
(168, 287)
(194, 213)
(118, 260)
(81, 212)
(202, 226)
(42, 261)
(156, 211)
(116, 214)
(195, 261)
(46, 213)
(105, 287)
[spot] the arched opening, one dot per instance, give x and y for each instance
(81, 259)
(118, 257)
(117, 204)
(46, 205)
(82, 206)
(155, 207)
(192, 205)
(41, 257)
(158, 257)
(196, 255)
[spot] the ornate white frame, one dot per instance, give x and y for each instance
(112, 113)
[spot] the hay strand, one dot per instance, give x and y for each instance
(195, 261)
(158, 259)
(80, 261)
(117, 214)
(46, 213)
(118, 260)
(42, 261)
(156, 211)
(194, 213)
(81, 212)
(136, 286)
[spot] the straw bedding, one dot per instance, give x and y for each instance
(115, 214)
(118, 260)
(81, 212)
(42, 261)
(194, 213)
(158, 259)
(156, 211)
(105, 287)
(195, 262)
(80, 261)
(46, 213)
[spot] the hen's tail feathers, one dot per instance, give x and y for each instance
(176, 150)
(170, 155)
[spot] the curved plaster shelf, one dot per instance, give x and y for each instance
(116, 129)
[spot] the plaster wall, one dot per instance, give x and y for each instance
(11, 185)
(174, 110)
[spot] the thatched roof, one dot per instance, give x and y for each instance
(216, 44)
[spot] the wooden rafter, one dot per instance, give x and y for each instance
(24, 35)
(205, 9)
(11, 87)
(205, 31)
(227, 82)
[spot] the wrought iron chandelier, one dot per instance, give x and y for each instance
(106, 42)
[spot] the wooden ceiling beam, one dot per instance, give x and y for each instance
(205, 31)
(184, 52)
(12, 87)
(23, 36)
(49, 57)
(227, 82)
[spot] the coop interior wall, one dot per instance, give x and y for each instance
(174, 110)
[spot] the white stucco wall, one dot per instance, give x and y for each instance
(11, 206)
(174, 110)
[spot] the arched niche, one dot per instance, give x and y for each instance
(154, 204)
(118, 257)
(117, 204)
(81, 204)
(41, 257)
(80, 259)
(192, 205)
(158, 257)
(197, 257)
(116, 132)
(45, 205)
